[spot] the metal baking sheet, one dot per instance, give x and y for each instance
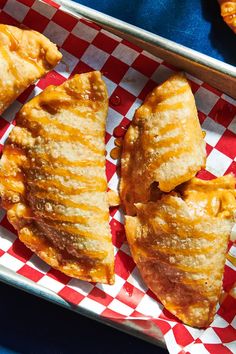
(18, 281)
(215, 72)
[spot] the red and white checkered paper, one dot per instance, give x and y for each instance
(130, 73)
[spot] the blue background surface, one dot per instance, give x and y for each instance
(194, 23)
(31, 325)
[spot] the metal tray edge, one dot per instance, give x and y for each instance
(18, 281)
(166, 44)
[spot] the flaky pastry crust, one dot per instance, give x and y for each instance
(163, 145)
(179, 244)
(228, 12)
(52, 178)
(25, 56)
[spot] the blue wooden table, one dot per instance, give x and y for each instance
(30, 325)
(194, 23)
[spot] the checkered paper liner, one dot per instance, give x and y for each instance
(130, 73)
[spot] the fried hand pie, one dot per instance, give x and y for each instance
(25, 56)
(52, 178)
(163, 145)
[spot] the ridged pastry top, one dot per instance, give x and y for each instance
(53, 181)
(228, 12)
(25, 56)
(164, 143)
(179, 246)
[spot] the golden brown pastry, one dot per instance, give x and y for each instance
(25, 56)
(113, 198)
(179, 244)
(164, 143)
(52, 178)
(228, 12)
(215, 197)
